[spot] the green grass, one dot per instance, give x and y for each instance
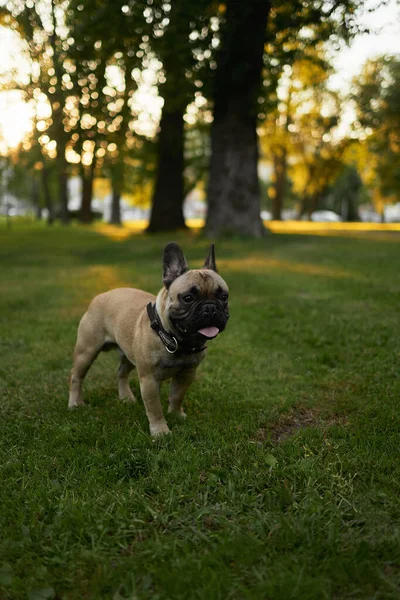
(284, 482)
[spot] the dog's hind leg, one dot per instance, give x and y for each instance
(124, 390)
(88, 345)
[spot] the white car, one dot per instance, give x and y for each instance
(325, 216)
(392, 213)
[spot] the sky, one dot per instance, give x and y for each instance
(348, 62)
(15, 115)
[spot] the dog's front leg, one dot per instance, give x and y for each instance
(179, 386)
(150, 389)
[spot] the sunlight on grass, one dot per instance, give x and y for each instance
(118, 234)
(310, 227)
(104, 276)
(379, 230)
(238, 265)
(86, 284)
(376, 236)
(268, 264)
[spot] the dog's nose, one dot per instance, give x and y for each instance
(210, 310)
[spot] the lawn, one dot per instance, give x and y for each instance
(284, 481)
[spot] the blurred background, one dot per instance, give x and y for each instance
(190, 112)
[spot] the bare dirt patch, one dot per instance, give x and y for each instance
(297, 418)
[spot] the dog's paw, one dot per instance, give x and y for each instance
(159, 429)
(125, 393)
(127, 398)
(75, 403)
(179, 412)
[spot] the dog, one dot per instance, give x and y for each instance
(164, 337)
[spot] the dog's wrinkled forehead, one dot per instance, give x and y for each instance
(205, 281)
(179, 279)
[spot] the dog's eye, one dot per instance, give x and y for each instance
(188, 298)
(224, 297)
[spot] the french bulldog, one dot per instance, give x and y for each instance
(163, 336)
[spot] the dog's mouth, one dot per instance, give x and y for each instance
(209, 332)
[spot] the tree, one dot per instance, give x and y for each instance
(31, 175)
(42, 27)
(111, 43)
(131, 35)
(174, 48)
(345, 192)
(122, 138)
(376, 97)
(277, 146)
(233, 189)
(293, 82)
(233, 192)
(72, 47)
(311, 111)
(88, 108)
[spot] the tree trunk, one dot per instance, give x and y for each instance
(307, 199)
(117, 183)
(352, 209)
(168, 195)
(280, 167)
(303, 208)
(233, 189)
(87, 175)
(47, 197)
(309, 204)
(63, 185)
(115, 218)
(315, 200)
(8, 216)
(36, 198)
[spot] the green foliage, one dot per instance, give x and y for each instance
(247, 498)
(87, 59)
(290, 199)
(376, 97)
(297, 30)
(345, 194)
(298, 135)
(197, 154)
(108, 49)
(139, 167)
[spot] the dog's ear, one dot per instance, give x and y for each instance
(210, 263)
(174, 263)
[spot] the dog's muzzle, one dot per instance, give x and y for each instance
(204, 320)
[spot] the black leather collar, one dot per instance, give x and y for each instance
(172, 344)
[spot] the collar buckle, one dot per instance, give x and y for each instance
(176, 346)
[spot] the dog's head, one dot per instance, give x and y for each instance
(194, 303)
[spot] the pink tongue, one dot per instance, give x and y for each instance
(209, 332)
